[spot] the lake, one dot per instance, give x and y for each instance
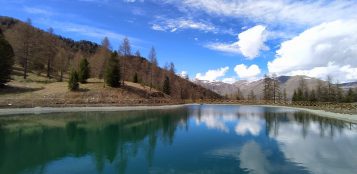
(190, 139)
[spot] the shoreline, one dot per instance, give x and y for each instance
(42, 110)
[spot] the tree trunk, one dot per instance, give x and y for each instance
(49, 67)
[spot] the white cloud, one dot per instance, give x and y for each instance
(248, 73)
(39, 11)
(229, 80)
(249, 43)
(281, 11)
(212, 75)
(183, 74)
(326, 49)
(173, 25)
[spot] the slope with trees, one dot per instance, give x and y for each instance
(45, 55)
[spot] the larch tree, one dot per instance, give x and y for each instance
(61, 62)
(285, 97)
(153, 65)
(275, 88)
(137, 53)
(125, 51)
(50, 49)
(6, 60)
(172, 68)
(268, 88)
(125, 47)
(22, 37)
(330, 91)
(100, 59)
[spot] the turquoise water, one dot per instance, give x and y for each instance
(192, 139)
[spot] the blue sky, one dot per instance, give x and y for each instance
(215, 40)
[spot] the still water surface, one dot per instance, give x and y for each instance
(191, 139)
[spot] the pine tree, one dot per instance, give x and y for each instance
(312, 96)
(112, 73)
(166, 88)
(294, 98)
(6, 60)
(73, 84)
(349, 96)
(135, 79)
(84, 71)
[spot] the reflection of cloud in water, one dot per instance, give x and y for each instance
(319, 154)
(217, 117)
(253, 159)
(213, 122)
(249, 124)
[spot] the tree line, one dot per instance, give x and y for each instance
(323, 92)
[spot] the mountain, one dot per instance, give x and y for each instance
(289, 83)
(53, 56)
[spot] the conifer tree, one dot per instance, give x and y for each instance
(73, 84)
(84, 71)
(312, 96)
(349, 96)
(135, 79)
(6, 60)
(166, 88)
(294, 96)
(112, 73)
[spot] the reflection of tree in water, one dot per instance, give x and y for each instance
(112, 137)
(327, 126)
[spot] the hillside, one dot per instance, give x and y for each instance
(51, 57)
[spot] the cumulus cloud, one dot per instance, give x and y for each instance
(326, 49)
(248, 73)
(249, 43)
(212, 75)
(281, 11)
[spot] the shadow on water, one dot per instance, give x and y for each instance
(30, 142)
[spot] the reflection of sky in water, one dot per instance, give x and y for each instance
(315, 145)
(197, 139)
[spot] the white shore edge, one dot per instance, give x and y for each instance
(41, 110)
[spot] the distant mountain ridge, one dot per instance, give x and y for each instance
(289, 83)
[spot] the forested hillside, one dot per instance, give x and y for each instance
(46, 54)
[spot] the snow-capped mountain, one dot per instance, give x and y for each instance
(289, 83)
